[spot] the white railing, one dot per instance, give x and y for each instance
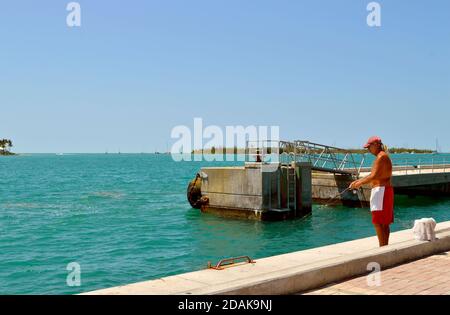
(421, 165)
(321, 157)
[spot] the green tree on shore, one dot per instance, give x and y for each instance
(5, 146)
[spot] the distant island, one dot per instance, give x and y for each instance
(236, 150)
(398, 150)
(215, 150)
(5, 147)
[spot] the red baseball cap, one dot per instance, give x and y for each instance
(372, 140)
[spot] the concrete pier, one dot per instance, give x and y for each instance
(296, 272)
(254, 192)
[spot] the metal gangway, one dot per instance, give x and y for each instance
(321, 157)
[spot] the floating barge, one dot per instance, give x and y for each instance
(279, 182)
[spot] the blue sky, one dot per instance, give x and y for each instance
(135, 69)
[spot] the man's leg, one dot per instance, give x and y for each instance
(380, 233)
(387, 233)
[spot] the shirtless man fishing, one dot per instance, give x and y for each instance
(382, 194)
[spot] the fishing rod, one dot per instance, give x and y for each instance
(340, 194)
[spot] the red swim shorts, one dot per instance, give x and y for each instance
(382, 197)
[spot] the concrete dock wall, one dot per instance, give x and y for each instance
(422, 184)
(304, 188)
(254, 193)
(234, 187)
(327, 185)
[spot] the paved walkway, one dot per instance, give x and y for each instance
(428, 276)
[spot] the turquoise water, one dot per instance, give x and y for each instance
(124, 218)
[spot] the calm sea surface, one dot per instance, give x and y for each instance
(124, 218)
